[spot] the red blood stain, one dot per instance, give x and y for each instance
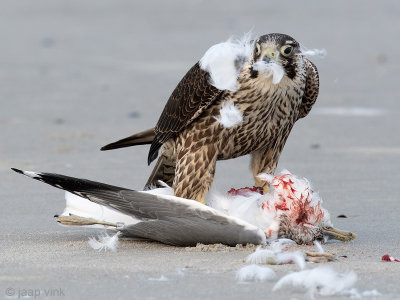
(281, 206)
(290, 197)
(244, 191)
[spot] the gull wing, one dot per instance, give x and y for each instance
(164, 218)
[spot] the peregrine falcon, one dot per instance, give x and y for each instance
(242, 97)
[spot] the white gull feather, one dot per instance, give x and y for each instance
(270, 69)
(273, 256)
(321, 53)
(230, 115)
(105, 242)
(255, 273)
(224, 61)
(322, 280)
(245, 207)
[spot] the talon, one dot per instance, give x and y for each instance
(337, 234)
(264, 185)
(266, 188)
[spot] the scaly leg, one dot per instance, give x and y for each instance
(194, 172)
(266, 159)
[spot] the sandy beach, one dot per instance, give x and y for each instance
(76, 75)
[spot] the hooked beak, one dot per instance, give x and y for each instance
(269, 54)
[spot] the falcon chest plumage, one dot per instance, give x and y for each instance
(269, 111)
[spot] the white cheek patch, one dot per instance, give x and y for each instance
(230, 115)
(270, 69)
(225, 60)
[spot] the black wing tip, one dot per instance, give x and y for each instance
(17, 170)
(106, 147)
(31, 174)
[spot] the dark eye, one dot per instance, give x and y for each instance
(286, 50)
(258, 48)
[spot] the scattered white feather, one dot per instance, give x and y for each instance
(371, 293)
(275, 254)
(255, 273)
(270, 69)
(262, 256)
(355, 294)
(322, 280)
(230, 115)
(319, 247)
(296, 257)
(161, 278)
(224, 61)
(279, 243)
(321, 53)
(180, 272)
(105, 242)
(274, 257)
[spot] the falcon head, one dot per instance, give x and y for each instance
(278, 52)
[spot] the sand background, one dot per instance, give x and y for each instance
(75, 75)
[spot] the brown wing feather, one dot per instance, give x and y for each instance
(311, 90)
(190, 98)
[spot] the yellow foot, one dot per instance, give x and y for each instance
(266, 188)
(262, 184)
